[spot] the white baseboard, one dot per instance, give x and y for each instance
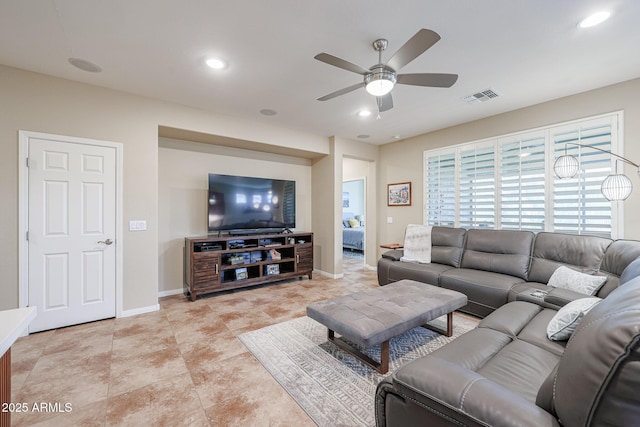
(329, 275)
(170, 292)
(141, 310)
(371, 267)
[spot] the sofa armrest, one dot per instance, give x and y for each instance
(394, 255)
(562, 297)
(434, 383)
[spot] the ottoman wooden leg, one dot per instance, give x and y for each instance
(448, 332)
(382, 366)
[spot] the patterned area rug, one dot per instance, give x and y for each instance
(333, 387)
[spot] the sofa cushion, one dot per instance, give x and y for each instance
(618, 256)
(535, 332)
(473, 349)
(601, 364)
(552, 250)
(511, 319)
(486, 290)
(447, 244)
(425, 273)
(565, 321)
(520, 367)
(566, 278)
(499, 251)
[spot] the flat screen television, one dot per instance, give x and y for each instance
(243, 205)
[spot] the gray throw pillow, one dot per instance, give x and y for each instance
(566, 278)
(567, 318)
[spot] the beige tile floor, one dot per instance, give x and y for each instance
(182, 365)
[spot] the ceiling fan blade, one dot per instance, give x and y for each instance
(427, 79)
(384, 102)
(413, 48)
(341, 63)
(342, 91)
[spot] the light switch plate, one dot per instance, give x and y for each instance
(389, 220)
(138, 225)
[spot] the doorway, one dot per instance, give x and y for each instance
(70, 229)
(353, 221)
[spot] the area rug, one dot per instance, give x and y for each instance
(352, 254)
(333, 387)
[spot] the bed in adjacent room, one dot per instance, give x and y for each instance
(352, 232)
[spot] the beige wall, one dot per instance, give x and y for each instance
(402, 161)
(183, 168)
(40, 103)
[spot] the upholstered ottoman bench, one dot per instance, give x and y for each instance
(375, 316)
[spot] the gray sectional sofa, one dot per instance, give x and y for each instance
(493, 267)
(507, 372)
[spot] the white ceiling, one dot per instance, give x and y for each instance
(529, 51)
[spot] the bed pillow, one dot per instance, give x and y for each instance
(353, 223)
(567, 318)
(345, 223)
(566, 278)
(417, 244)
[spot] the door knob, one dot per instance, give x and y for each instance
(106, 242)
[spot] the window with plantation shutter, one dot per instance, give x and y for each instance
(440, 170)
(477, 186)
(508, 182)
(522, 182)
(578, 204)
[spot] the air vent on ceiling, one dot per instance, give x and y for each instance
(482, 96)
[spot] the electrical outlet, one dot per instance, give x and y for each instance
(139, 225)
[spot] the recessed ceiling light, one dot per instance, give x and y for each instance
(396, 136)
(363, 136)
(594, 19)
(268, 112)
(364, 113)
(216, 63)
(85, 65)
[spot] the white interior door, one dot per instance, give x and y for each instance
(71, 232)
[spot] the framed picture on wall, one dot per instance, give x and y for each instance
(399, 194)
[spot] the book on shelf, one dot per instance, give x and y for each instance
(242, 273)
(273, 269)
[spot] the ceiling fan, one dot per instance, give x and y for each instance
(381, 78)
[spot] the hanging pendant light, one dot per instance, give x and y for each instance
(616, 187)
(566, 166)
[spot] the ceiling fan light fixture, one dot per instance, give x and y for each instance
(380, 83)
(595, 19)
(216, 63)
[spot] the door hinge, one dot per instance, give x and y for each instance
(27, 162)
(27, 236)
